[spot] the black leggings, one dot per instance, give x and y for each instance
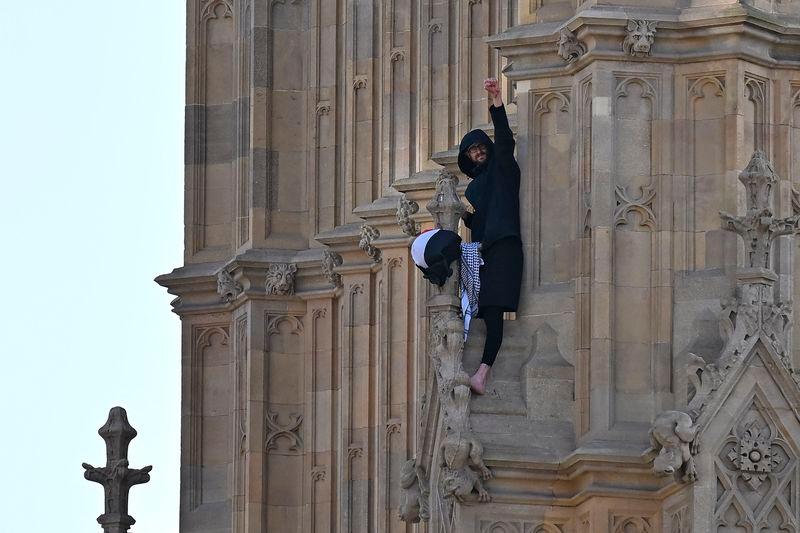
(493, 317)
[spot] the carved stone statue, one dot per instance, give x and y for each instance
(640, 37)
(461, 453)
(280, 279)
(414, 493)
(672, 437)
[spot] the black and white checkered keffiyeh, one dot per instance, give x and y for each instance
(470, 281)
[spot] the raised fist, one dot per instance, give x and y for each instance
(492, 87)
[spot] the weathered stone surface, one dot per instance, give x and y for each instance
(307, 393)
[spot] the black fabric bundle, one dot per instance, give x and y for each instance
(441, 249)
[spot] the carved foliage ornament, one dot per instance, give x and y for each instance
(755, 468)
(639, 38)
(370, 234)
(227, 288)
(569, 47)
(280, 279)
(331, 260)
(406, 208)
(754, 455)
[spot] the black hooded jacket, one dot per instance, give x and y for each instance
(494, 189)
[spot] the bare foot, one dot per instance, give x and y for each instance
(478, 382)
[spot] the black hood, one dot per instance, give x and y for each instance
(464, 162)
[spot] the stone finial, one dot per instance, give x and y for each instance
(406, 208)
(640, 37)
(445, 206)
(116, 478)
(280, 279)
(370, 234)
(569, 47)
(331, 260)
(758, 227)
(227, 287)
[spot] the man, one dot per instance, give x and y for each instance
(494, 195)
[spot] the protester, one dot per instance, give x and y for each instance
(494, 195)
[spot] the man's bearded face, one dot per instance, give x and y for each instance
(477, 153)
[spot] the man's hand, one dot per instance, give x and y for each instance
(493, 88)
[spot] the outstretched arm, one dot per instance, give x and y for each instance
(503, 138)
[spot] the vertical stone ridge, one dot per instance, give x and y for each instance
(457, 463)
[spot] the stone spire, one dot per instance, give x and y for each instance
(116, 478)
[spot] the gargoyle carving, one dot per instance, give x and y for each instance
(672, 437)
(280, 279)
(569, 47)
(462, 463)
(413, 492)
(640, 37)
(227, 287)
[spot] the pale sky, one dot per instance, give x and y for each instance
(91, 210)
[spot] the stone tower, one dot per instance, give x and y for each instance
(314, 395)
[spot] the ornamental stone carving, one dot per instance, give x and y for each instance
(753, 311)
(413, 493)
(640, 37)
(370, 234)
(116, 478)
(331, 260)
(642, 205)
(569, 47)
(280, 279)
(406, 208)
(758, 227)
(672, 437)
(462, 464)
(290, 432)
(755, 472)
(754, 456)
(227, 287)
